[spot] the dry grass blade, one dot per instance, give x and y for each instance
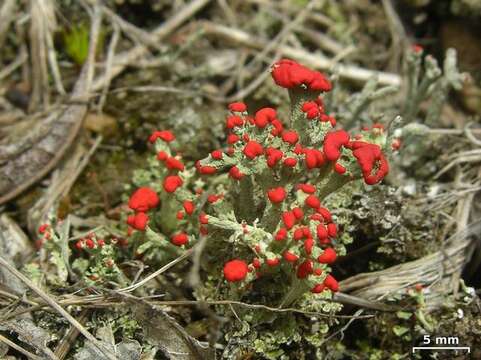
(469, 134)
(163, 269)
(62, 181)
(121, 61)
(52, 56)
(68, 340)
(48, 300)
(317, 17)
(82, 90)
(20, 349)
(7, 12)
(23, 167)
(41, 18)
(315, 60)
(108, 66)
(453, 131)
(275, 44)
(363, 303)
(104, 301)
(130, 30)
(437, 269)
(10, 68)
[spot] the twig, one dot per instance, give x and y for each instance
(276, 44)
(23, 49)
(18, 298)
(367, 304)
(19, 348)
(80, 93)
(23, 173)
(320, 39)
(426, 270)
(89, 69)
(315, 60)
(343, 54)
(286, 6)
(7, 70)
(37, 58)
(153, 88)
(229, 14)
(194, 274)
(344, 327)
(108, 66)
(215, 320)
(61, 184)
(52, 60)
(48, 300)
(463, 210)
(324, 41)
(132, 31)
(164, 268)
(469, 134)
(459, 159)
(123, 60)
(100, 301)
(279, 310)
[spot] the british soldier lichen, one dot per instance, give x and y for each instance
(279, 169)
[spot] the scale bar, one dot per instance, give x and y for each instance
(441, 348)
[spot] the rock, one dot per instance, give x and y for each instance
(15, 247)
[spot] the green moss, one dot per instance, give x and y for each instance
(76, 42)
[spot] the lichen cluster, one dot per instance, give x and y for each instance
(268, 211)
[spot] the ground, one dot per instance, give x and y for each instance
(408, 249)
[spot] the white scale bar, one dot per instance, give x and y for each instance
(442, 348)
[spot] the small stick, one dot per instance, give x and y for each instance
(101, 301)
(39, 78)
(23, 50)
(153, 88)
(123, 60)
(7, 70)
(61, 185)
(350, 72)
(323, 41)
(108, 66)
(453, 131)
(71, 119)
(52, 60)
(469, 134)
(133, 32)
(229, 14)
(285, 6)
(158, 272)
(363, 303)
(274, 44)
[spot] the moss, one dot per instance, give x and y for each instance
(462, 320)
(287, 336)
(101, 186)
